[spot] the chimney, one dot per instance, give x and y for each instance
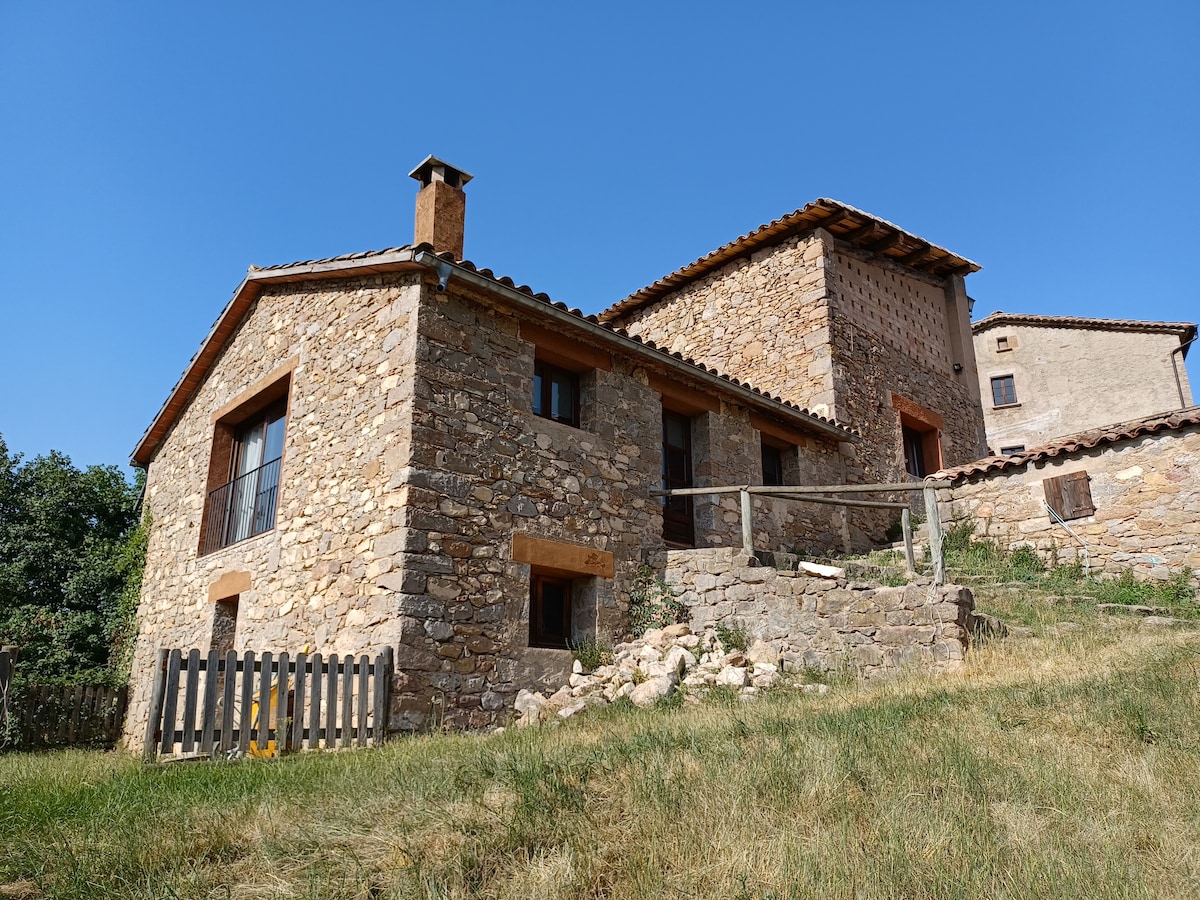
(441, 205)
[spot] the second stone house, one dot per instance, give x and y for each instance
(846, 314)
(398, 449)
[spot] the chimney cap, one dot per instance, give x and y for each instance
(432, 169)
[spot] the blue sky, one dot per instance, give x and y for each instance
(151, 152)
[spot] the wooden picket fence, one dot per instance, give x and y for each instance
(220, 704)
(44, 715)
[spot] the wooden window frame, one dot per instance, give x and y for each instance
(1008, 387)
(537, 635)
(1070, 495)
(775, 453)
(547, 372)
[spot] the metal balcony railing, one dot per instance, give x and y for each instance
(242, 508)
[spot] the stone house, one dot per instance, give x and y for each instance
(399, 449)
(845, 314)
(1046, 377)
(1115, 498)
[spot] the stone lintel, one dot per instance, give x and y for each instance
(558, 557)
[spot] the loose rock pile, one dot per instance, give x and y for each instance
(655, 667)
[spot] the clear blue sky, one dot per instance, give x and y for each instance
(151, 151)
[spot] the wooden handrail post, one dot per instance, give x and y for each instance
(935, 535)
(747, 523)
(910, 558)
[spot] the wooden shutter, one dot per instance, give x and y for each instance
(1070, 496)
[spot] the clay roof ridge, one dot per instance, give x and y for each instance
(1183, 329)
(857, 226)
(1084, 440)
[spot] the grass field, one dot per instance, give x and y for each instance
(1060, 763)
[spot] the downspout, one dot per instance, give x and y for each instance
(1181, 349)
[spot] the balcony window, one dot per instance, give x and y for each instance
(244, 506)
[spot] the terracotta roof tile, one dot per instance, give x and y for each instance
(1084, 440)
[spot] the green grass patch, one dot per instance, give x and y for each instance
(1054, 767)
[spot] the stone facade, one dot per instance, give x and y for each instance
(820, 623)
(412, 459)
(1071, 374)
(845, 333)
(1146, 493)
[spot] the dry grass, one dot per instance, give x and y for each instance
(1053, 765)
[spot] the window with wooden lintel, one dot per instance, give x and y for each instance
(555, 393)
(679, 527)
(1070, 496)
(549, 611)
(244, 468)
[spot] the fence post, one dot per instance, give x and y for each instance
(154, 716)
(8, 665)
(747, 523)
(910, 558)
(935, 536)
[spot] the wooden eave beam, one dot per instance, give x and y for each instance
(893, 240)
(916, 256)
(860, 232)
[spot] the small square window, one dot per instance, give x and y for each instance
(1002, 344)
(555, 393)
(1004, 391)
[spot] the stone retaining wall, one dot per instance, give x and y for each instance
(824, 623)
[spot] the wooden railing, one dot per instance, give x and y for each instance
(220, 704)
(814, 494)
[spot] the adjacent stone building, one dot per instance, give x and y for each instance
(397, 449)
(1046, 377)
(845, 314)
(1123, 497)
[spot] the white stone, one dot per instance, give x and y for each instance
(650, 692)
(735, 676)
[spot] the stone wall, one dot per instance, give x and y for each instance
(1069, 380)
(1147, 497)
(311, 579)
(820, 623)
(763, 319)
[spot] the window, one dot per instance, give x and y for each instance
(1003, 343)
(1009, 451)
(225, 616)
(1004, 391)
(772, 464)
(679, 529)
(244, 468)
(1070, 496)
(555, 393)
(549, 611)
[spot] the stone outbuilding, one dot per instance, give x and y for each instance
(845, 314)
(1124, 497)
(1046, 377)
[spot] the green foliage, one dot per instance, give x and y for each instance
(652, 604)
(592, 652)
(894, 532)
(71, 556)
(732, 635)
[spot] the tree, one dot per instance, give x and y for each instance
(71, 555)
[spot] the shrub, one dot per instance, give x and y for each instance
(592, 652)
(652, 604)
(733, 636)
